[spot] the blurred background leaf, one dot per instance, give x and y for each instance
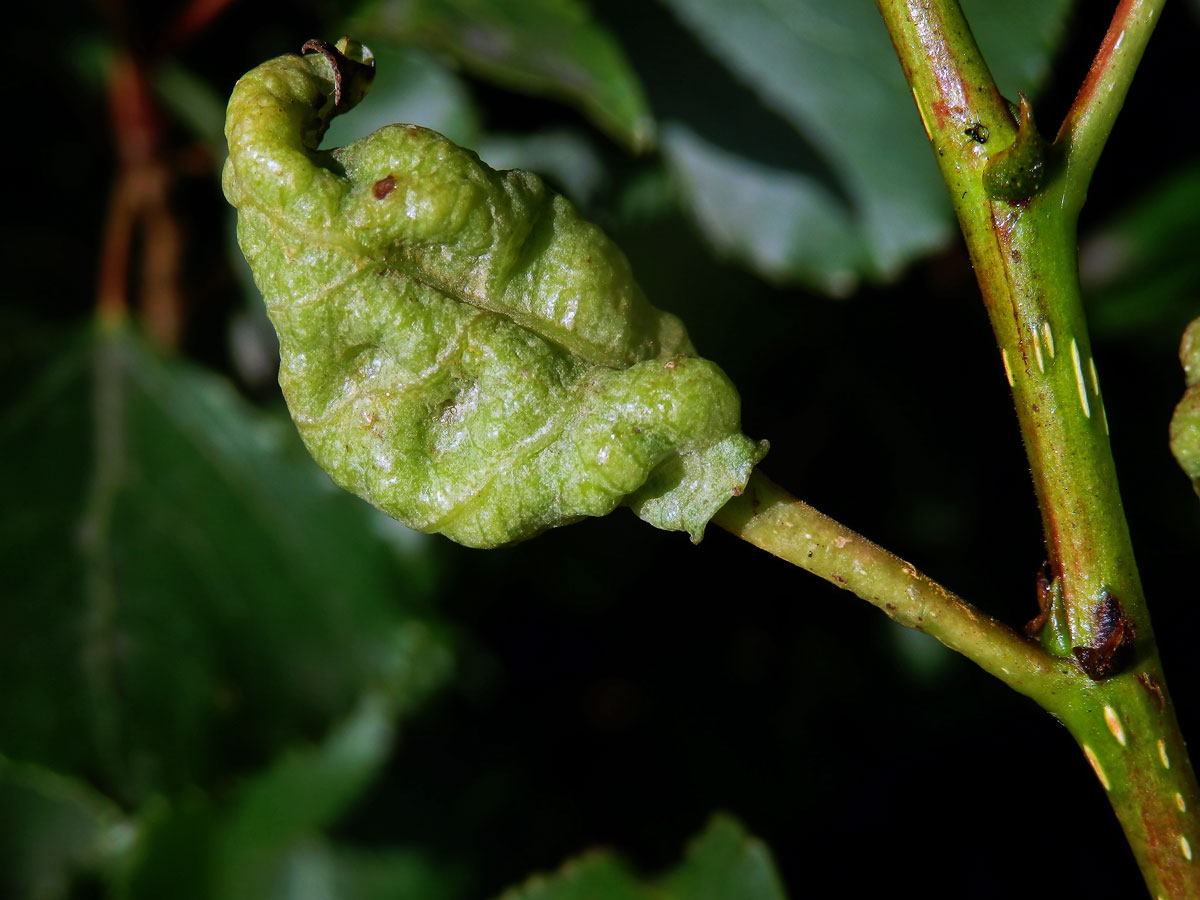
(266, 840)
(52, 829)
(544, 47)
(722, 863)
(827, 69)
(188, 590)
(726, 862)
(1140, 269)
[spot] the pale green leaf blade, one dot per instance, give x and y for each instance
(783, 223)
(551, 48)
(828, 68)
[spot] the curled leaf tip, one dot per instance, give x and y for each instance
(458, 345)
(353, 68)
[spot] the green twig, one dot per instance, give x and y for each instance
(1018, 201)
(768, 517)
(1090, 119)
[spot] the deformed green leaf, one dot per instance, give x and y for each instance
(1185, 424)
(457, 345)
(551, 48)
(724, 862)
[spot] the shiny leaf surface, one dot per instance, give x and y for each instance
(458, 346)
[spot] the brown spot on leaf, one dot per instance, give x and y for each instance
(384, 186)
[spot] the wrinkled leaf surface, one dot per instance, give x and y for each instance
(458, 346)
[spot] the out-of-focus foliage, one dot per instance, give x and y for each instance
(190, 588)
(265, 839)
(1140, 269)
(547, 47)
(185, 600)
(54, 828)
(721, 864)
(826, 67)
